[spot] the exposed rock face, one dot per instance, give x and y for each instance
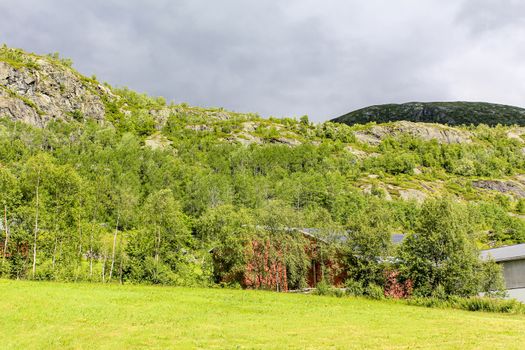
(379, 190)
(37, 96)
(286, 141)
(427, 132)
(411, 194)
(250, 126)
(157, 141)
(360, 154)
(510, 187)
(201, 127)
(17, 109)
(161, 117)
(516, 134)
(245, 139)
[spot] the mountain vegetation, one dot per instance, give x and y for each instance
(105, 184)
(451, 113)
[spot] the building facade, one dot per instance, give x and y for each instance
(512, 258)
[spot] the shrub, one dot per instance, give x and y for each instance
(338, 292)
(471, 304)
(520, 206)
(17, 58)
(439, 293)
(395, 287)
(492, 281)
(426, 302)
(5, 268)
(374, 291)
(441, 252)
(488, 305)
(354, 288)
(324, 288)
(45, 271)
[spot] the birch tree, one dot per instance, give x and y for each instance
(9, 200)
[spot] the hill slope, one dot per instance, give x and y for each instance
(135, 187)
(451, 113)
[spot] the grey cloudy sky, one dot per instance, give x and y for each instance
(285, 58)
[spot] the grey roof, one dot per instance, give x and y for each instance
(512, 252)
(331, 236)
(341, 237)
(397, 238)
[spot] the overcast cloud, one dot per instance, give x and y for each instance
(285, 58)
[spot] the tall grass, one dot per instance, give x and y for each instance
(472, 304)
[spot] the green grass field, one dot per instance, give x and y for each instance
(38, 315)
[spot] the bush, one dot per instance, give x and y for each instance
(520, 206)
(454, 263)
(17, 58)
(492, 281)
(354, 288)
(439, 293)
(471, 304)
(373, 291)
(324, 288)
(488, 305)
(45, 271)
(339, 292)
(426, 302)
(5, 268)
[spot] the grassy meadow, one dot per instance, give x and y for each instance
(45, 315)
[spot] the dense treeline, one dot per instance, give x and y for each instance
(173, 194)
(90, 202)
(451, 113)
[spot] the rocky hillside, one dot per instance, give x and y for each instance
(35, 90)
(451, 113)
(100, 183)
(211, 157)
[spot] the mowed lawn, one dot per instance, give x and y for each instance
(41, 315)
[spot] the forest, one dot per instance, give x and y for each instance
(130, 199)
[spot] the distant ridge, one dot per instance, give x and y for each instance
(451, 113)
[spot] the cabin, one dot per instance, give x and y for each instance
(266, 267)
(281, 260)
(268, 263)
(512, 259)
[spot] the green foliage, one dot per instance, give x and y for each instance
(395, 163)
(324, 288)
(78, 115)
(304, 120)
(55, 57)
(188, 211)
(438, 293)
(492, 282)
(354, 288)
(374, 291)
(452, 113)
(226, 231)
(369, 244)
(156, 251)
(132, 111)
(217, 191)
(17, 58)
(441, 253)
(500, 227)
(520, 206)
(471, 304)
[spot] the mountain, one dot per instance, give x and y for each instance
(128, 184)
(451, 113)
